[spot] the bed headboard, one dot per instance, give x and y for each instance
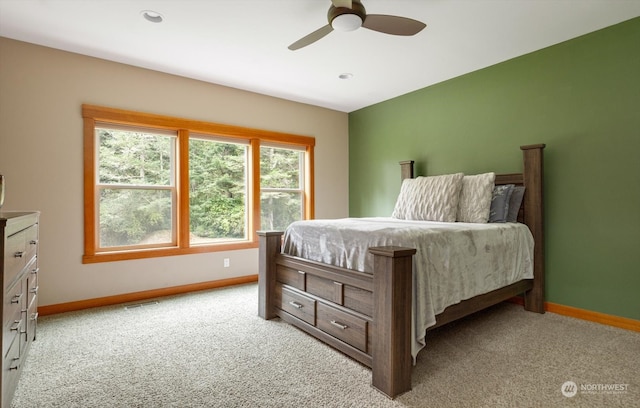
(531, 178)
(531, 211)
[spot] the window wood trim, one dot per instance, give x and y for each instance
(183, 127)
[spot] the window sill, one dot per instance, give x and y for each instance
(159, 252)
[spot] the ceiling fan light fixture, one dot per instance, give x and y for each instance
(349, 15)
(346, 22)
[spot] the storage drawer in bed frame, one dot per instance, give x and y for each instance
(340, 310)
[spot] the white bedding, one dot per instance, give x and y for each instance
(454, 261)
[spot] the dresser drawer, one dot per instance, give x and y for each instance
(15, 257)
(31, 320)
(294, 303)
(13, 326)
(14, 299)
(344, 326)
(30, 242)
(32, 281)
(10, 371)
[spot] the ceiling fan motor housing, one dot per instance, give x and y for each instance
(346, 23)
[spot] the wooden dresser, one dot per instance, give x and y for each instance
(19, 251)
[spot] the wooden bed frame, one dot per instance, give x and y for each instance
(367, 316)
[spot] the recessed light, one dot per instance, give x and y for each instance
(152, 16)
(346, 75)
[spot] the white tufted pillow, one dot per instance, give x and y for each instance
(433, 198)
(474, 204)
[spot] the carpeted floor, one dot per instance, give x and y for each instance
(210, 349)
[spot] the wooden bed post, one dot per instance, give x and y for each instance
(533, 217)
(270, 242)
(391, 331)
(406, 169)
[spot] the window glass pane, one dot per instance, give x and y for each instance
(134, 157)
(135, 217)
(279, 209)
(281, 187)
(217, 191)
(280, 168)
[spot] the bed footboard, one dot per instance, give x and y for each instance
(366, 316)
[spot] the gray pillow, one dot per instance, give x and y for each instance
(500, 203)
(514, 203)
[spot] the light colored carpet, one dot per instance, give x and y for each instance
(210, 349)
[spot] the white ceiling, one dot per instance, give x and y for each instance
(243, 43)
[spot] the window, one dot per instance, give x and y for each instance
(158, 186)
(281, 186)
(218, 190)
(136, 187)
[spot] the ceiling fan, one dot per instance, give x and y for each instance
(349, 15)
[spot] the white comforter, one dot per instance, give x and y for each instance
(454, 261)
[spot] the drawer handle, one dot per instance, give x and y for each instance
(18, 254)
(34, 242)
(35, 271)
(340, 325)
(35, 290)
(16, 325)
(16, 298)
(15, 364)
(34, 316)
(296, 305)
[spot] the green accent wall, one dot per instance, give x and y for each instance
(582, 99)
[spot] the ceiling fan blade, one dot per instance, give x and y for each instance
(393, 24)
(342, 3)
(311, 38)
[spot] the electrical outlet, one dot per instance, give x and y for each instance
(226, 262)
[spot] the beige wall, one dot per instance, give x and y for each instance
(41, 93)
